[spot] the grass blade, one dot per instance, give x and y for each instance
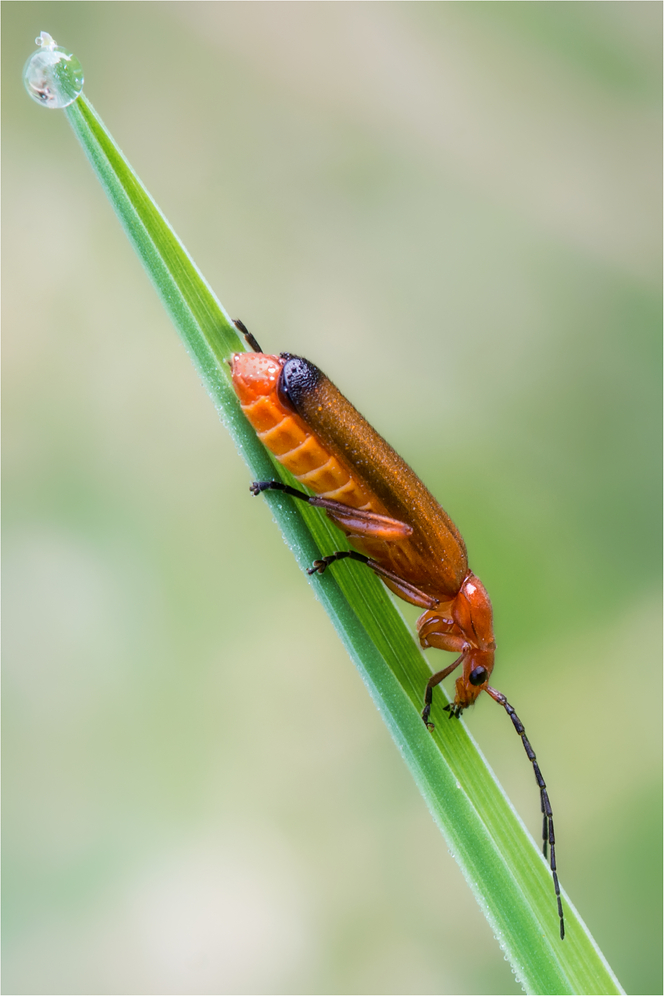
(501, 863)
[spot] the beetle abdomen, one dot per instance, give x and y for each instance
(260, 387)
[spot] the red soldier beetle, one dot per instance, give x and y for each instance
(397, 527)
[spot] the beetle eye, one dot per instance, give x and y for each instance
(478, 675)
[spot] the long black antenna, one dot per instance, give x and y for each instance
(548, 835)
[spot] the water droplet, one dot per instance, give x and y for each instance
(52, 76)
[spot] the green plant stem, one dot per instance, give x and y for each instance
(501, 863)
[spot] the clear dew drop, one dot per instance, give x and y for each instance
(52, 76)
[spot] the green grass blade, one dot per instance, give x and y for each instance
(501, 863)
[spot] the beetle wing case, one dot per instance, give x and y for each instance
(439, 552)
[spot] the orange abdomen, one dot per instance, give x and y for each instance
(255, 379)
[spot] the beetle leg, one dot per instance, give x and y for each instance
(319, 566)
(406, 590)
(434, 680)
(362, 522)
(258, 486)
(356, 520)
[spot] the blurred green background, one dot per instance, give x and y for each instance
(454, 209)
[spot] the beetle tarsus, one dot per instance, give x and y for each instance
(258, 486)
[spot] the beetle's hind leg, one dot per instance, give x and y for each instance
(257, 487)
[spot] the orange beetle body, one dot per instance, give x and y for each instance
(326, 444)
(396, 526)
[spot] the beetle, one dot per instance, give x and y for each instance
(396, 526)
